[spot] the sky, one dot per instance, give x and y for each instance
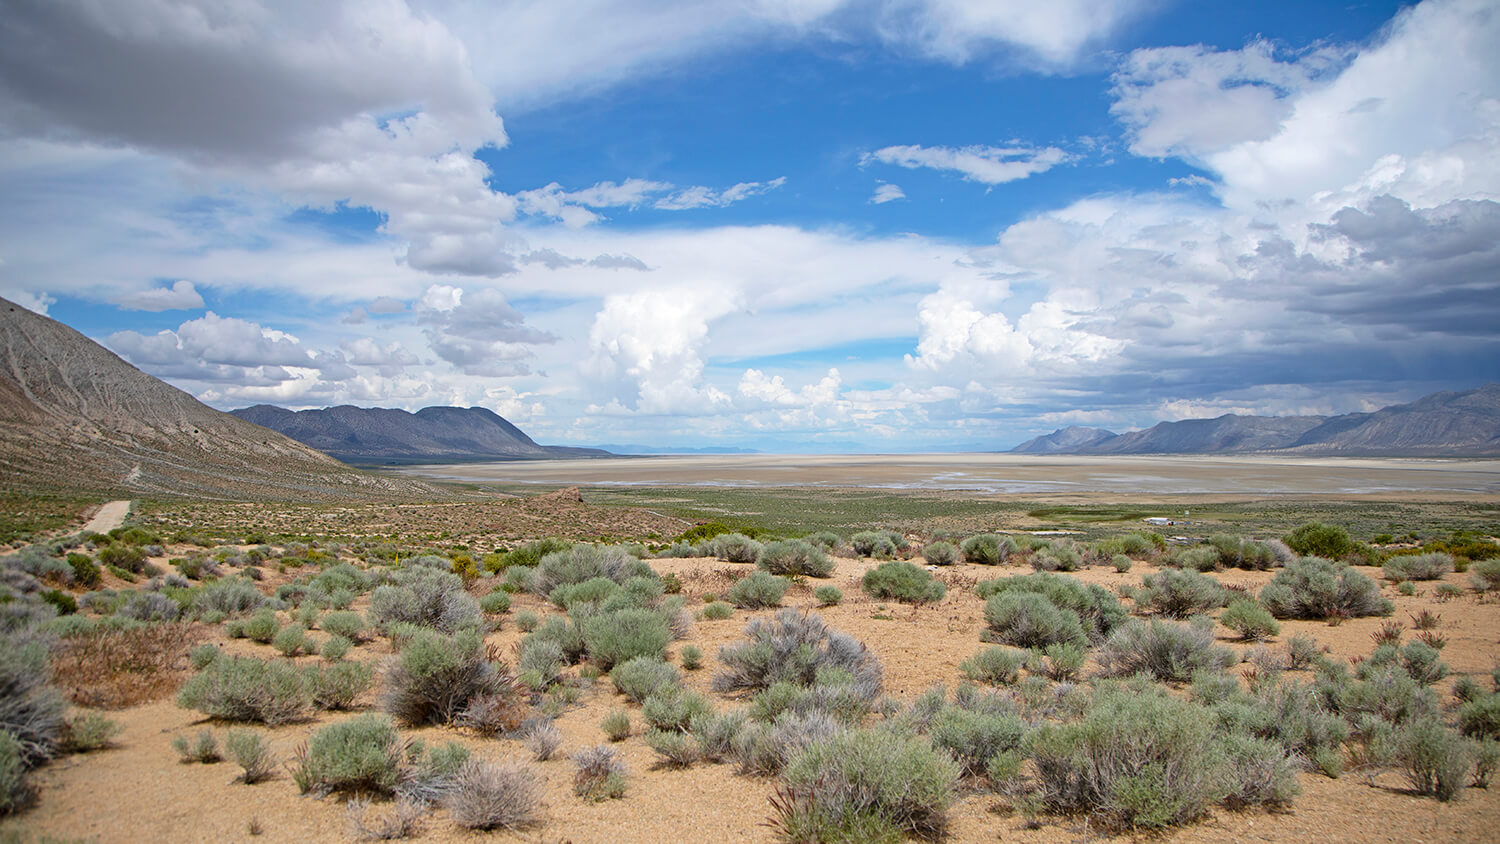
(790, 225)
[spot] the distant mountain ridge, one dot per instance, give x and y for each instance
(1448, 424)
(432, 434)
(75, 417)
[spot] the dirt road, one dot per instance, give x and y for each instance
(109, 517)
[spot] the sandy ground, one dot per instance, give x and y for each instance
(1005, 473)
(109, 517)
(140, 792)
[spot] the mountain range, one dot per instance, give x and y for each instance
(1449, 424)
(74, 417)
(431, 435)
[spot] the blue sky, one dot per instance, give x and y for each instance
(878, 225)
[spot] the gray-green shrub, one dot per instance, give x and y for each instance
(1029, 620)
(794, 647)
(338, 685)
(1314, 588)
(941, 553)
(871, 543)
(616, 637)
(794, 556)
(756, 590)
(362, 754)
(246, 689)
(438, 678)
(902, 581)
(643, 676)
(994, 666)
(1179, 593)
(1250, 620)
(1406, 567)
(987, 549)
(1097, 610)
(734, 548)
(1167, 651)
(828, 595)
(250, 750)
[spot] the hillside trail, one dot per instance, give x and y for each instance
(109, 517)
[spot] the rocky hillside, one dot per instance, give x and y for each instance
(1465, 424)
(432, 434)
(75, 417)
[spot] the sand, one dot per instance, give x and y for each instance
(1006, 474)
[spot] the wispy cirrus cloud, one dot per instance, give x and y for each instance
(985, 164)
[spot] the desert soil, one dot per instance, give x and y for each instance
(138, 791)
(1007, 473)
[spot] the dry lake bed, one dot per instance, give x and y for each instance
(1005, 474)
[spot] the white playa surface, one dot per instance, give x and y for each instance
(1002, 474)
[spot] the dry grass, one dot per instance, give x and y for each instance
(115, 669)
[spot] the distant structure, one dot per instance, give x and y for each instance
(1159, 521)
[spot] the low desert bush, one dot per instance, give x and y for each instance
(31, 709)
(527, 555)
(866, 784)
(870, 543)
(734, 548)
(250, 750)
(757, 590)
(1121, 562)
(1097, 610)
(1402, 568)
(15, 792)
(1062, 555)
(643, 676)
(1201, 558)
(1240, 553)
(439, 679)
(495, 603)
(941, 553)
(616, 725)
(794, 647)
(1179, 593)
(231, 596)
(261, 627)
(144, 605)
(203, 747)
(828, 596)
(1315, 588)
(1063, 662)
(673, 708)
(247, 689)
(425, 596)
(994, 666)
(1435, 760)
(495, 795)
(361, 755)
(902, 581)
(542, 740)
(974, 737)
(987, 549)
(691, 657)
(291, 641)
(335, 648)
(1250, 620)
(794, 556)
(87, 732)
(1167, 651)
(1484, 575)
(615, 637)
(1029, 620)
(676, 749)
(339, 685)
(350, 625)
(598, 774)
(1480, 717)
(717, 611)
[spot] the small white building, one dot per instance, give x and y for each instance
(1159, 521)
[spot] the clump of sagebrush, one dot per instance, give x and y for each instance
(363, 754)
(794, 556)
(1165, 650)
(441, 679)
(495, 795)
(1435, 760)
(250, 750)
(987, 549)
(345, 623)
(902, 581)
(734, 548)
(616, 725)
(676, 749)
(87, 732)
(870, 543)
(828, 596)
(994, 666)
(643, 676)
(542, 739)
(526, 556)
(716, 611)
(291, 641)
(339, 685)
(615, 637)
(1315, 588)
(231, 596)
(15, 792)
(1249, 619)
(1402, 568)
(941, 553)
(1241, 553)
(1063, 662)
(866, 785)
(1097, 611)
(1484, 575)
(202, 747)
(425, 596)
(598, 774)
(691, 657)
(1144, 759)
(794, 647)
(247, 689)
(673, 708)
(31, 709)
(1179, 593)
(756, 590)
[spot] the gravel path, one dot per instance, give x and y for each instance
(109, 517)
